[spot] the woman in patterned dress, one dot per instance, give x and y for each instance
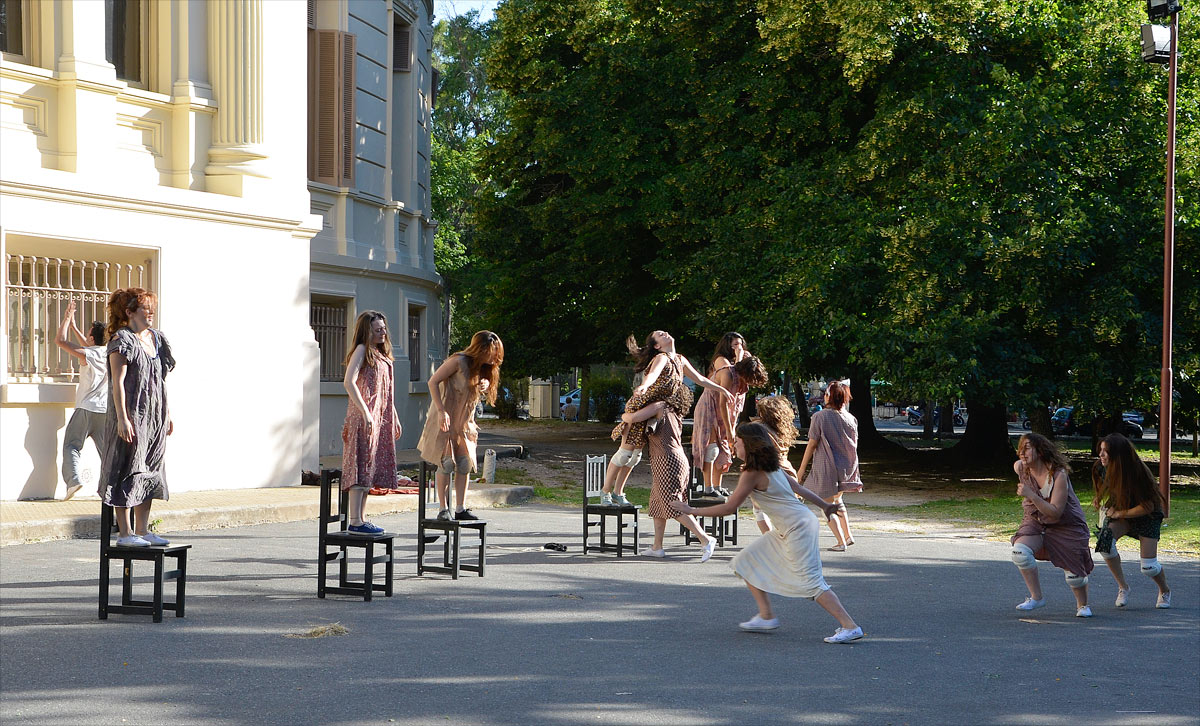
(448, 440)
(665, 369)
(787, 560)
(372, 425)
(712, 428)
(833, 450)
(1053, 527)
(137, 422)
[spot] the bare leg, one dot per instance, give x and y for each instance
(836, 529)
(1081, 595)
(122, 517)
(141, 517)
(622, 478)
(460, 491)
(844, 521)
(614, 474)
(1114, 566)
(833, 606)
(443, 489)
(660, 527)
(690, 522)
(354, 506)
(763, 601)
(1150, 550)
(1031, 575)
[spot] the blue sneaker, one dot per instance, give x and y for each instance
(364, 528)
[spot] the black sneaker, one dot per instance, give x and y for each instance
(444, 515)
(465, 515)
(722, 492)
(710, 493)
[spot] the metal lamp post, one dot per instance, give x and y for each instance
(1157, 9)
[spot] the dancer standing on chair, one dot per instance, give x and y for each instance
(713, 423)
(448, 440)
(138, 421)
(91, 395)
(833, 450)
(372, 425)
(787, 560)
(1053, 527)
(1130, 505)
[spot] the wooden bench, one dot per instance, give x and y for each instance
(593, 483)
(452, 562)
(342, 541)
(158, 555)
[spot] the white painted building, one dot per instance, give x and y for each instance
(164, 143)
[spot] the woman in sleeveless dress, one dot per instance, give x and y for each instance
(786, 561)
(450, 434)
(668, 460)
(372, 425)
(137, 422)
(713, 424)
(833, 450)
(1053, 527)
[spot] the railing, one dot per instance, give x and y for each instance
(37, 292)
(328, 322)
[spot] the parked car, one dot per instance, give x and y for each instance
(1064, 421)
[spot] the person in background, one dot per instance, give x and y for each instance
(91, 395)
(833, 450)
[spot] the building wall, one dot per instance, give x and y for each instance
(375, 247)
(93, 167)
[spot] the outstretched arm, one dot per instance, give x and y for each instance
(747, 483)
(691, 372)
(67, 324)
(808, 454)
(829, 508)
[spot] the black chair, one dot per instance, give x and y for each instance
(451, 553)
(127, 555)
(723, 528)
(341, 541)
(593, 482)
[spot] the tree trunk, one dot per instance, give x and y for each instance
(985, 441)
(1039, 422)
(946, 420)
(927, 419)
(1196, 438)
(869, 438)
(585, 388)
(801, 394)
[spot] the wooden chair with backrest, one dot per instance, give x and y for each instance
(127, 555)
(452, 562)
(593, 483)
(335, 545)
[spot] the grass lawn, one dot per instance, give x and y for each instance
(999, 512)
(564, 490)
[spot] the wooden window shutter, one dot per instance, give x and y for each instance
(312, 13)
(326, 101)
(401, 47)
(348, 130)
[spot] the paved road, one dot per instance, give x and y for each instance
(549, 638)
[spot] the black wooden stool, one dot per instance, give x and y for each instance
(451, 559)
(723, 528)
(342, 540)
(127, 555)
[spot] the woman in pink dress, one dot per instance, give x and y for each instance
(372, 425)
(833, 450)
(712, 428)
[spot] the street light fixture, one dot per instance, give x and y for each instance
(1152, 47)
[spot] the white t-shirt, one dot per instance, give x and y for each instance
(92, 392)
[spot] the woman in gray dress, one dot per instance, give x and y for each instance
(833, 450)
(138, 421)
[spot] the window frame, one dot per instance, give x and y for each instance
(147, 21)
(27, 35)
(335, 356)
(416, 371)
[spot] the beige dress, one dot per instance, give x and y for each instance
(785, 561)
(458, 398)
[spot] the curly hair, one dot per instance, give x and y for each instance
(778, 415)
(1046, 451)
(751, 372)
(761, 454)
(124, 302)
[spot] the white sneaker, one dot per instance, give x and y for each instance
(708, 550)
(1164, 601)
(1031, 604)
(606, 499)
(654, 553)
(1083, 612)
(757, 625)
(72, 491)
(1122, 598)
(619, 500)
(842, 635)
(132, 540)
(155, 540)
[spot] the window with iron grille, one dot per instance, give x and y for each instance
(328, 320)
(414, 343)
(37, 291)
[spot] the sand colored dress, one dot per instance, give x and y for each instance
(835, 462)
(133, 473)
(1065, 543)
(709, 427)
(369, 461)
(459, 398)
(785, 561)
(668, 466)
(669, 388)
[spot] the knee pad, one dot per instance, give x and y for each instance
(1111, 554)
(711, 452)
(447, 466)
(1150, 567)
(462, 464)
(1023, 557)
(1075, 581)
(627, 458)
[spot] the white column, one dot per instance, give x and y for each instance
(235, 60)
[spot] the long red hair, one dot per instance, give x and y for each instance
(124, 302)
(484, 356)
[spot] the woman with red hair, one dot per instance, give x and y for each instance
(138, 421)
(833, 450)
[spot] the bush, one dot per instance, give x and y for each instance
(609, 394)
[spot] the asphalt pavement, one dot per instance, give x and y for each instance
(563, 638)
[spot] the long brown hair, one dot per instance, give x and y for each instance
(122, 303)
(484, 356)
(761, 454)
(362, 336)
(644, 354)
(778, 415)
(751, 372)
(1127, 481)
(725, 349)
(1046, 451)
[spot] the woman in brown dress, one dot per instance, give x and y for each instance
(448, 440)
(668, 460)
(833, 450)
(372, 425)
(1053, 527)
(713, 424)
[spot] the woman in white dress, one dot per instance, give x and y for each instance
(785, 561)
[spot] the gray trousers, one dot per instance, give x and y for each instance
(83, 425)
